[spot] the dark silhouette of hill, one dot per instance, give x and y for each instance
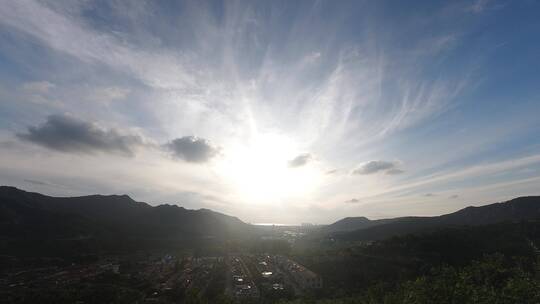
(34, 216)
(362, 229)
(408, 257)
(354, 223)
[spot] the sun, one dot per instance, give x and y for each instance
(258, 171)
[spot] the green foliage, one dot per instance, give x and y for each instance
(388, 263)
(491, 280)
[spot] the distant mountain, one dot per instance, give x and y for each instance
(35, 216)
(353, 223)
(519, 209)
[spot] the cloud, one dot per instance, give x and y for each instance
(109, 94)
(479, 6)
(394, 171)
(312, 57)
(454, 196)
(38, 92)
(468, 173)
(376, 166)
(333, 171)
(429, 194)
(38, 86)
(64, 32)
(300, 160)
(36, 182)
(69, 134)
(192, 149)
(352, 201)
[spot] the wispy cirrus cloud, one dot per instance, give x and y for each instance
(481, 6)
(344, 97)
(64, 33)
(473, 172)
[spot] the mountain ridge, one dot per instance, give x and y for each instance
(30, 213)
(36, 215)
(517, 209)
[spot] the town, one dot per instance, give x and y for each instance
(170, 279)
(261, 270)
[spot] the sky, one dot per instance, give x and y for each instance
(273, 111)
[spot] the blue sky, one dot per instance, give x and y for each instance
(274, 111)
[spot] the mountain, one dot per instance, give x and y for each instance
(32, 215)
(515, 210)
(354, 223)
(349, 224)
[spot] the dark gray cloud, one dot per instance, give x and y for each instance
(300, 160)
(429, 194)
(454, 196)
(69, 134)
(353, 201)
(192, 149)
(333, 171)
(376, 166)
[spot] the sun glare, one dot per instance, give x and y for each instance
(259, 170)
